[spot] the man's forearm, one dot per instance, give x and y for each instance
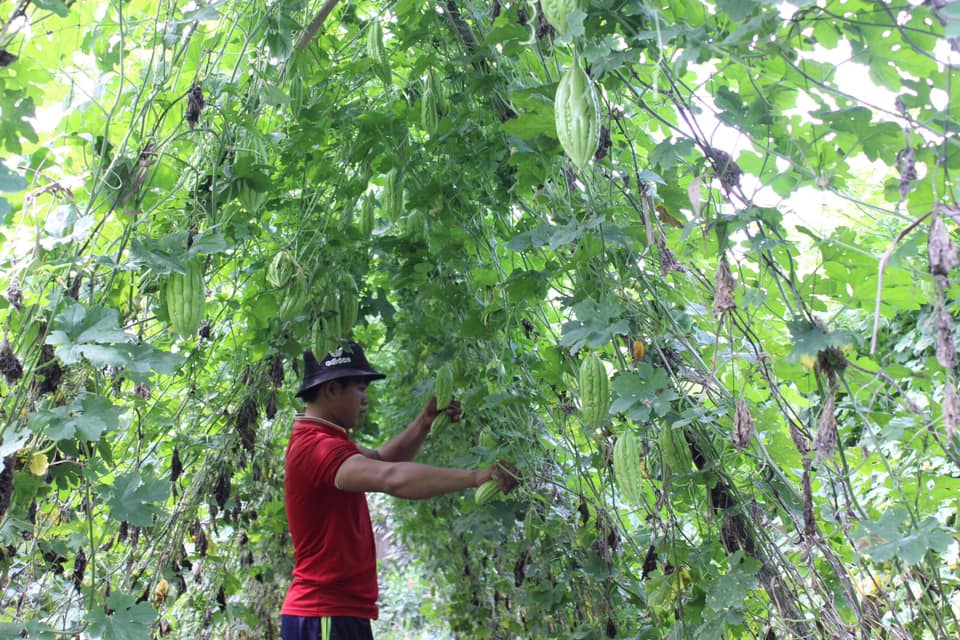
(405, 445)
(417, 481)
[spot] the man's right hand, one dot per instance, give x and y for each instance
(507, 476)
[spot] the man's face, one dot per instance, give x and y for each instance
(351, 402)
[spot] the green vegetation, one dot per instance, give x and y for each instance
(775, 228)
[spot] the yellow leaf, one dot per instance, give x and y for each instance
(39, 464)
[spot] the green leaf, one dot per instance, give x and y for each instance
(87, 418)
(77, 328)
(16, 113)
(595, 324)
(809, 340)
(642, 394)
(738, 10)
(532, 123)
(669, 153)
(133, 497)
(128, 620)
(893, 535)
(30, 630)
(208, 243)
(56, 6)
(731, 590)
(10, 182)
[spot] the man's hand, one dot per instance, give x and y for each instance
(453, 411)
(506, 474)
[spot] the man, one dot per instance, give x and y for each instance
(334, 591)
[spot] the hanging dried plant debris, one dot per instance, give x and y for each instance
(276, 370)
(142, 391)
(544, 28)
(123, 531)
(611, 628)
(520, 568)
(809, 521)
(195, 105)
(723, 299)
(825, 442)
(727, 170)
(799, 436)
(6, 484)
(605, 143)
(79, 568)
(49, 371)
(649, 562)
(668, 261)
(945, 347)
(270, 407)
(9, 363)
(951, 411)
(907, 165)
(15, 293)
(743, 425)
(245, 420)
(940, 249)
(199, 539)
(176, 466)
(221, 491)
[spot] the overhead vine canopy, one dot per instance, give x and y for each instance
(752, 235)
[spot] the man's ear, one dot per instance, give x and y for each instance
(332, 389)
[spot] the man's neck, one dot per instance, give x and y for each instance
(313, 411)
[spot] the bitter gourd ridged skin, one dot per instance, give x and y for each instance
(626, 467)
(443, 386)
(674, 449)
(594, 391)
(185, 298)
(577, 114)
(486, 492)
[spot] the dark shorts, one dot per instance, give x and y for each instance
(303, 628)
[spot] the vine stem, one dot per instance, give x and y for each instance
(316, 23)
(881, 267)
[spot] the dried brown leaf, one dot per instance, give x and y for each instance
(668, 262)
(951, 410)
(9, 363)
(940, 249)
(723, 299)
(946, 349)
(907, 164)
(726, 168)
(743, 424)
(809, 519)
(15, 293)
(825, 442)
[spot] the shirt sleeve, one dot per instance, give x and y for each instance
(324, 457)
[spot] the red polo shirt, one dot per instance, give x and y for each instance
(335, 568)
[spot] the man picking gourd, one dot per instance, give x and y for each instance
(334, 591)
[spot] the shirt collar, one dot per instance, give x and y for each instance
(301, 417)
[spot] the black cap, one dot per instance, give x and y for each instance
(346, 362)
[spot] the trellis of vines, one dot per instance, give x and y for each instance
(809, 373)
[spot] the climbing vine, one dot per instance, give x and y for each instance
(759, 251)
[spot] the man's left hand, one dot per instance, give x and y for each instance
(453, 411)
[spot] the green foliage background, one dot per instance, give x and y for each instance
(777, 236)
